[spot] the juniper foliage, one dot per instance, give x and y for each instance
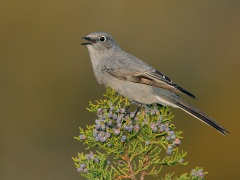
(130, 145)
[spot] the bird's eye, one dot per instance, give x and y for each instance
(102, 39)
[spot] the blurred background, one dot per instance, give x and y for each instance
(46, 78)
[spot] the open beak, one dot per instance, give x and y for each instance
(90, 40)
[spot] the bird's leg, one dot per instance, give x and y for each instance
(139, 106)
(136, 112)
(127, 108)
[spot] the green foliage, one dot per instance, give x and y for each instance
(196, 174)
(130, 145)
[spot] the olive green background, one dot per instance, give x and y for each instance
(46, 78)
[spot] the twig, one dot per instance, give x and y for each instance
(145, 164)
(131, 172)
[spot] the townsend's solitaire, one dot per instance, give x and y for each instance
(136, 80)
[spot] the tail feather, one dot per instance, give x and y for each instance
(201, 116)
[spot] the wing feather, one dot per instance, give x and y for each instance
(149, 77)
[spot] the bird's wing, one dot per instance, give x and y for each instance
(148, 76)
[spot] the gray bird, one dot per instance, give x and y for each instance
(136, 80)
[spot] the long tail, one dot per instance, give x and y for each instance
(201, 116)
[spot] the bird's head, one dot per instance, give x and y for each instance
(99, 41)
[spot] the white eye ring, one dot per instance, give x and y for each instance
(102, 39)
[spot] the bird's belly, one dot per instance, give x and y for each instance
(141, 93)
